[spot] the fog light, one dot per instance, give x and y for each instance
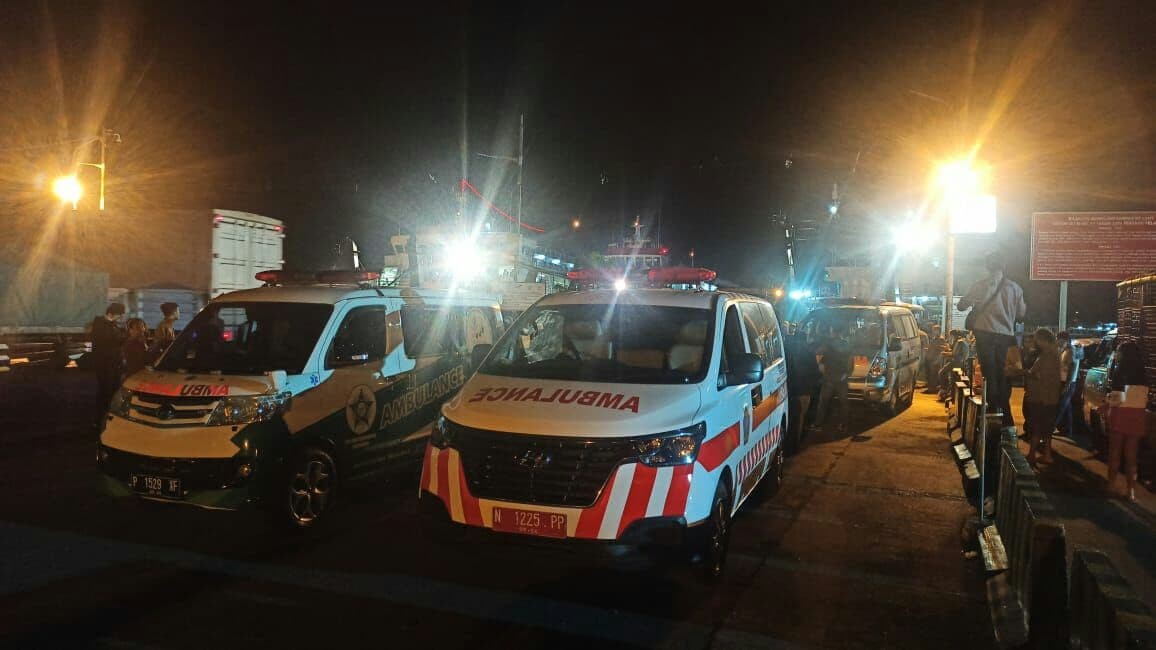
(244, 471)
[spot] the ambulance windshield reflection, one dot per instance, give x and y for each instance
(248, 338)
(643, 344)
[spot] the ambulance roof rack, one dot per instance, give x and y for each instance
(276, 277)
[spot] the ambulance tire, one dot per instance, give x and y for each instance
(309, 488)
(773, 480)
(717, 538)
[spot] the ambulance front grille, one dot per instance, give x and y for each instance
(542, 470)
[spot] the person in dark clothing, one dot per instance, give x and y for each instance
(802, 380)
(837, 367)
(107, 357)
(136, 350)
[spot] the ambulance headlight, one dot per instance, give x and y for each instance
(246, 409)
(121, 400)
(442, 434)
(673, 448)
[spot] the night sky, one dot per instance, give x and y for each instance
(348, 120)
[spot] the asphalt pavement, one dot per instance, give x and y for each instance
(860, 549)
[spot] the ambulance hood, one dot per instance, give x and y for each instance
(175, 384)
(550, 407)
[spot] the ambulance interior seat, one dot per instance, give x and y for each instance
(588, 339)
(642, 358)
(686, 354)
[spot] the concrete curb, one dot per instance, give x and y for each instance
(1106, 612)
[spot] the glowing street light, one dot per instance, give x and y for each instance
(620, 284)
(576, 223)
(969, 210)
(68, 189)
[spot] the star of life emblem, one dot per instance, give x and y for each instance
(360, 409)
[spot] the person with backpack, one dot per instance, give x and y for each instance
(995, 304)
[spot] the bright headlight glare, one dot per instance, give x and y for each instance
(246, 409)
(673, 448)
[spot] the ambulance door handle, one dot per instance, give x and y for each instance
(756, 395)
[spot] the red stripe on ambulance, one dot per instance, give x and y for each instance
(639, 497)
(719, 448)
(471, 510)
(679, 491)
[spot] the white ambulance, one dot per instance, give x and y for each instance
(630, 416)
(280, 395)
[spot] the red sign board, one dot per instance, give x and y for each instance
(1095, 246)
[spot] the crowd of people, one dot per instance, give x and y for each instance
(1047, 363)
(121, 350)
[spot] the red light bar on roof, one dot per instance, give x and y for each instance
(281, 276)
(680, 275)
(347, 277)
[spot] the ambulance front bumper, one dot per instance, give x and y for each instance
(637, 505)
(214, 483)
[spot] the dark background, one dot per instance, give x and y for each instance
(348, 120)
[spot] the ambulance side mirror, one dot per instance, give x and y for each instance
(895, 344)
(745, 369)
(478, 354)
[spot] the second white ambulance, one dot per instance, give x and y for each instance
(620, 416)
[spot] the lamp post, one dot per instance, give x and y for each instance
(68, 188)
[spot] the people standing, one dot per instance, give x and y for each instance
(1069, 373)
(166, 331)
(1028, 357)
(803, 378)
(136, 350)
(1042, 397)
(924, 351)
(107, 357)
(997, 304)
(933, 360)
(1127, 416)
(836, 369)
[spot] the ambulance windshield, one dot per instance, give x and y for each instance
(643, 344)
(248, 338)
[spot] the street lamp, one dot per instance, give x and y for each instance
(68, 189)
(968, 210)
(576, 223)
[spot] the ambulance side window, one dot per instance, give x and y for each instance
(774, 333)
(359, 339)
(733, 344)
(755, 329)
(433, 330)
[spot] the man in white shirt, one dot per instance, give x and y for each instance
(999, 303)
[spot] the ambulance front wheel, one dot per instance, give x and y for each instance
(718, 532)
(310, 486)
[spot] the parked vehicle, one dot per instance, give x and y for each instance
(626, 416)
(283, 395)
(885, 346)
